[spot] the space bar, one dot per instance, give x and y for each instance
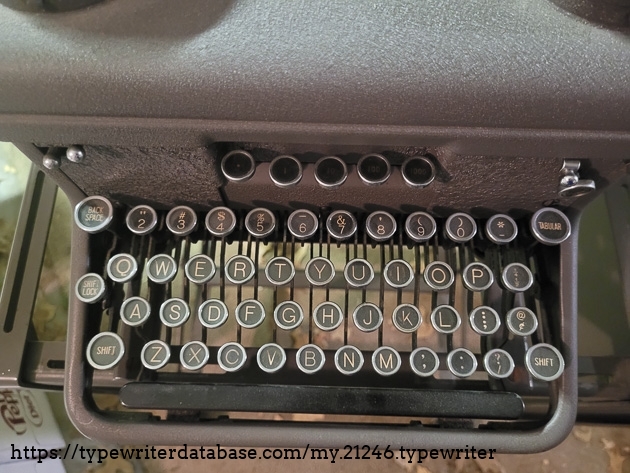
(323, 400)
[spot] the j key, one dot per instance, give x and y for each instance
(367, 317)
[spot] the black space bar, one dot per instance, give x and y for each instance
(323, 400)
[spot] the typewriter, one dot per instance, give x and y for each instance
(407, 277)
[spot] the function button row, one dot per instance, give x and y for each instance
(330, 172)
(285, 171)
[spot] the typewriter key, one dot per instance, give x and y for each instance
(212, 313)
(279, 270)
(135, 311)
(521, 321)
(181, 220)
(477, 277)
(238, 165)
(386, 361)
(498, 363)
(155, 354)
(461, 362)
(349, 359)
(285, 171)
(271, 357)
(319, 271)
(239, 269)
(550, 226)
(398, 273)
(260, 222)
(424, 361)
(174, 312)
(90, 288)
(220, 221)
(358, 272)
(194, 355)
(438, 275)
(544, 362)
(445, 319)
(250, 313)
(517, 277)
(461, 227)
(330, 172)
(310, 359)
(484, 320)
(367, 317)
(122, 267)
(501, 229)
(341, 224)
(161, 269)
(407, 318)
(418, 171)
(380, 225)
(420, 226)
(231, 356)
(105, 350)
(93, 214)
(200, 269)
(302, 224)
(288, 315)
(328, 316)
(142, 219)
(373, 169)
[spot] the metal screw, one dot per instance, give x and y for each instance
(75, 153)
(50, 160)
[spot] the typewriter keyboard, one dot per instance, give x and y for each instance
(322, 311)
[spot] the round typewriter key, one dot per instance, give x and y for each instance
(285, 171)
(319, 271)
(250, 313)
(288, 315)
(460, 227)
(358, 272)
(200, 269)
(302, 224)
(135, 311)
(544, 362)
(348, 359)
(194, 355)
(328, 316)
(461, 362)
(424, 361)
(279, 270)
(155, 355)
(445, 319)
(477, 277)
(498, 363)
(386, 361)
(238, 165)
(484, 320)
(407, 318)
(367, 317)
(398, 273)
(380, 225)
(330, 172)
(310, 359)
(550, 226)
(418, 171)
(142, 219)
(239, 269)
(231, 356)
(105, 350)
(420, 226)
(174, 312)
(521, 321)
(517, 277)
(501, 229)
(181, 221)
(373, 169)
(93, 214)
(438, 275)
(122, 267)
(220, 221)
(260, 222)
(271, 357)
(90, 288)
(161, 269)
(341, 224)
(212, 313)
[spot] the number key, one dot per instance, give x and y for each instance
(420, 226)
(220, 221)
(302, 224)
(260, 222)
(181, 220)
(461, 227)
(142, 219)
(341, 224)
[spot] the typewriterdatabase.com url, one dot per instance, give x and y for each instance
(217, 452)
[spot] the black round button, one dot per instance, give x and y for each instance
(367, 317)
(424, 361)
(142, 219)
(461, 227)
(358, 272)
(302, 224)
(477, 277)
(341, 224)
(398, 273)
(380, 225)
(484, 320)
(105, 350)
(439, 275)
(461, 362)
(517, 277)
(260, 222)
(181, 220)
(330, 171)
(420, 226)
(521, 321)
(498, 363)
(349, 359)
(373, 169)
(544, 362)
(271, 357)
(501, 229)
(550, 226)
(90, 288)
(418, 171)
(93, 214)
(220, 221)
(285, 171)
(238, 165)
(445, 319)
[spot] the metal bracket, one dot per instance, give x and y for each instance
(570, 183)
